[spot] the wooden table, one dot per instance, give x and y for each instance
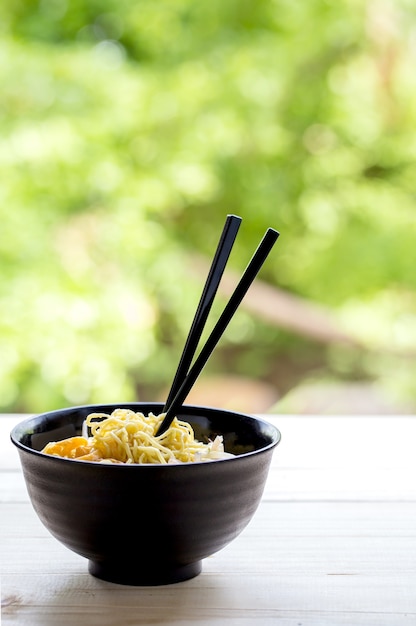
(332, 543)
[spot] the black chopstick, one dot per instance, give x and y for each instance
(225, 244)
(247, 278)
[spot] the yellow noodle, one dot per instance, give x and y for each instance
(129, 437)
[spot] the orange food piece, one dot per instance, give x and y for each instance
(76, 448)
(71, 448)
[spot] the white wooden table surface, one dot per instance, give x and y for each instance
(332, 543)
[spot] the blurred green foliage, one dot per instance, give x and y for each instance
(130, 129)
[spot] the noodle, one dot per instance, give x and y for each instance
(129, 437)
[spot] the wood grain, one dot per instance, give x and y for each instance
(332, 543)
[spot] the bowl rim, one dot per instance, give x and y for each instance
(90, 407)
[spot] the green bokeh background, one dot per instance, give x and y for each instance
(130, 129)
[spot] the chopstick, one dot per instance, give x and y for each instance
(225, 244)
(246, 280)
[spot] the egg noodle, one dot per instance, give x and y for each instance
(129, 437)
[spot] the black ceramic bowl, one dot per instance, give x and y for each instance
(147, 524)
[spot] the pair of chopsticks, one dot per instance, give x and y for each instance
(186, 375)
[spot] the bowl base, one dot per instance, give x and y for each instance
(119, 573)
